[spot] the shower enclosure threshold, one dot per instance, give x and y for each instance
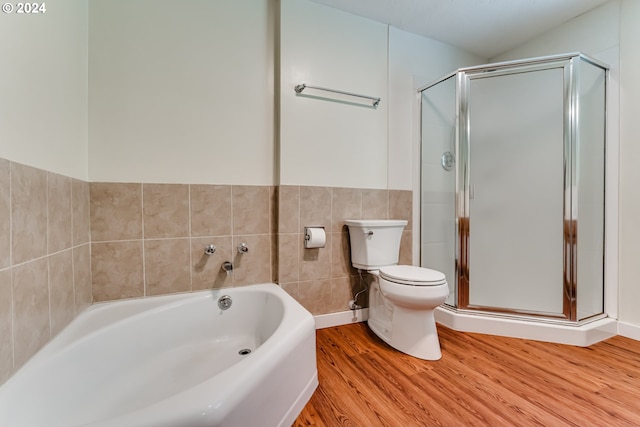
(581, 335)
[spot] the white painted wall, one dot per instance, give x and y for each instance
(629, 170)
(43, 88)
(181, 92)
(593, 33)
(597, 34)
(327, 139)
(413, 62)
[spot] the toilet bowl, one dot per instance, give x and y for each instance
(402, 298)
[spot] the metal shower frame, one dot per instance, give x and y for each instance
(463, 76)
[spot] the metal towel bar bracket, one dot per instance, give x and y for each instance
(302, 86)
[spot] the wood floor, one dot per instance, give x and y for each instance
(481, 380)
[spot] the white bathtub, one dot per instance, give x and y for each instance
(172, 361)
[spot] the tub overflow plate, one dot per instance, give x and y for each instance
(224, 302)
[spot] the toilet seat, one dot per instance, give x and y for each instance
(412, 275)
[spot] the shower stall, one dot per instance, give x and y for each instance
(513, 188)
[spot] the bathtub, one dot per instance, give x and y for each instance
(176, 360)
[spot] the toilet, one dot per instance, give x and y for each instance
(402, 298)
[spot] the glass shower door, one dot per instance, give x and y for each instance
(438, 181)
(516, 205)
(588, 196)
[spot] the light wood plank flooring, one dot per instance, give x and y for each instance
(481, 380)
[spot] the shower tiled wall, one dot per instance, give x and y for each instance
(149, 239)
(45, 278)
(323, 279)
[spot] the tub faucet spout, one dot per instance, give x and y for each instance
(228, 267)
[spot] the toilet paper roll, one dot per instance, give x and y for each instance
(315, 237)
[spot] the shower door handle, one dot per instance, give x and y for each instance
(472, 191)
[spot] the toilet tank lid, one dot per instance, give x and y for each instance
(411, 273)
(375, 222)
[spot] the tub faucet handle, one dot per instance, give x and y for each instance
(243, 248)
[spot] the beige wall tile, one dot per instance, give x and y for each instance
(29, 213)
(341, 256)
(315, 295)
(401, 206)
(210, 210)
(315, 264)
(30, 309)
(253, 266)
(206, 271)
(251, 210)
(273, 209)
(82, 277)
(166, 210)
(274, 258)
(288, 257)
(116, 211)
(341, 294)
(59, 217)
(80, 212)
(291, 289)
(406, 249)
(166, 265)
(375, 204)
(6, 329)
(315, 207)
(289, 209)
(5, 214)
(116, 270)
(346, 204)
(62, 298)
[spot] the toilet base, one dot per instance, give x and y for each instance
(421, 340)
(408, 330)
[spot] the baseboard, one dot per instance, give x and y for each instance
(629, 331)
(341, 318)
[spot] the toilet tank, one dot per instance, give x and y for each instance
(375, 243)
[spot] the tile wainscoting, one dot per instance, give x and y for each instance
(149, 239)
(45, 278)
(323, 279)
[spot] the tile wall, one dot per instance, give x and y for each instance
(149, 239)
(45, 278)
(323, 279)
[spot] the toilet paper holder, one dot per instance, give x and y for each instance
(314, 237)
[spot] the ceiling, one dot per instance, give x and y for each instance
(484, 27)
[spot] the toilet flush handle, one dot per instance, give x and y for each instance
(369, 233)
